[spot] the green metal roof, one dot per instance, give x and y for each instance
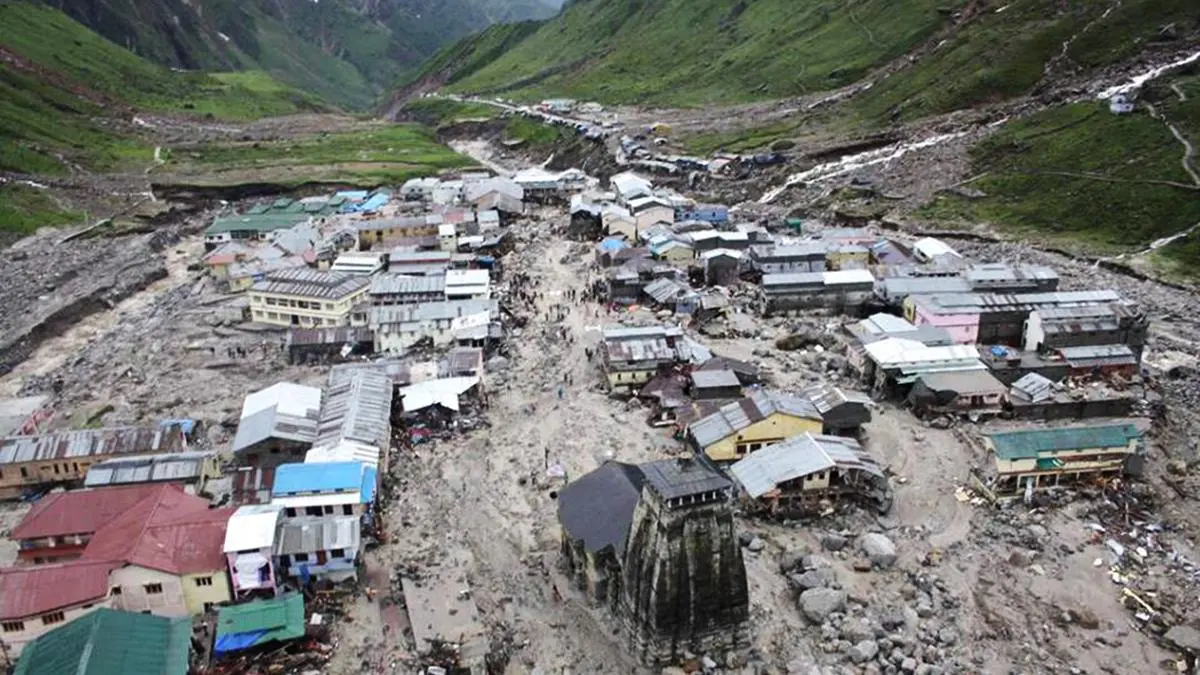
(1030, 443)
(279, 618)
(263, 222)
(110, 642)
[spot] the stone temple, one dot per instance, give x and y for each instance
(655, 545)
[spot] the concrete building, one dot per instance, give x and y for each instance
(1039, 458)
(401, 327)
(634, 355)
(307, 298)
(388, 290)
(60, 525)
(618, 220)
(798, 472)
(756, 421)
(278, 424)
(957, 392)
(894, 290)
(359, 263)
(843, 413)
(843, 291)
(249, 549)
(629, 186)
(373, 231)
(36, 600)
(418, 189)
(64, 457)
(468, 284)
(648, 211)
(324, 548)
(1002, 278)
(800, 258)
(991, 318)
(1053, 328)
(714, 385)
(893, 364)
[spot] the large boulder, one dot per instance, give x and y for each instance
(818, 603)
(880, 550)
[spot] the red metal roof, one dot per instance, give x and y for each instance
(30, 591)
(172, 532)
(82, 511)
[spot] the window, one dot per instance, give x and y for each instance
(347, 510)
(115, 590)
(56, 470)
(301, 557)
(328, 509)
(329, 306)
(88, 606)
(24, 473)
(291, 513)
(13, 626)
(209, 606)
(153, 589)
(312, 511)
(284, 561)
(53, 618)
(338, 553)
(204, 581)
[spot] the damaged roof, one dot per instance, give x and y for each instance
(597, 508)
(180, 466)
(676, 478)
(759, 405)
(763, 470)
(827, 397)
(357, 408)
(76, 445)
(284, 410)
(308, 534)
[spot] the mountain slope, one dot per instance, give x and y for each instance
(347, 51)
(696, 51)
(67, 94)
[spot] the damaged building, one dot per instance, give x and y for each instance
(803, 470)
(1030, 459)
(663, 555)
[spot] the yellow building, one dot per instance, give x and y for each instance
(756, 421)
(378, 230)
(64, 457)
(634, 355)
(1046, 457)
(847, 257)
(307, 298)
(674, 252)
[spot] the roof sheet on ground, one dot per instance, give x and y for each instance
(258, 622)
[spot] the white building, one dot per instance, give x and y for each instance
(399, 328)
(357, 264)
(468, 284)
(419, 189)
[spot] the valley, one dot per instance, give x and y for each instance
(517, 198)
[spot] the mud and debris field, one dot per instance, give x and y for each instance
(974, 589)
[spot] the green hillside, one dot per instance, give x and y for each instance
(346, 51)
(697, 51)
(60, 82)
(1080, 175)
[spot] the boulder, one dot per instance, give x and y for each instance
(879, 549)
(831, 541)
(818, 578)
(818, 603)
(863, 651)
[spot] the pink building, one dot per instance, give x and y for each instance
(962, 326)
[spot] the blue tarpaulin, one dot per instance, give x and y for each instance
(186, 425)
(237, 641)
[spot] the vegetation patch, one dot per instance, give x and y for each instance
(24, 209)
(533, 132)
(437, 112)
(378, 155)
(691, 52)
(1079, 175)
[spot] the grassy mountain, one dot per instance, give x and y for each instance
(65, 92)
(695, 51)
(346, 51)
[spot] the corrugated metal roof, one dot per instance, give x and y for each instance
(895, 289)
(309, 534)
(284, 410)
(399, 284)
(182, 466)
(825, 397)
(597, 508)
(433, 311)
(60, 514)
(299, 479)
(358, 408)
(309, 283)
(90, 443)
(110, 642)
(29, 591)
(793, 279)
(1034, 387)
(763, 470)
(714, 379)
(675, 478)
(1030, 443)
(964, 383)
(759, 405)
(898, 353)
(259, 622)
(611, 334)
(971, 303)
(1098, 355)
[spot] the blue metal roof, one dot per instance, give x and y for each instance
(369, 478)
(320, 477)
